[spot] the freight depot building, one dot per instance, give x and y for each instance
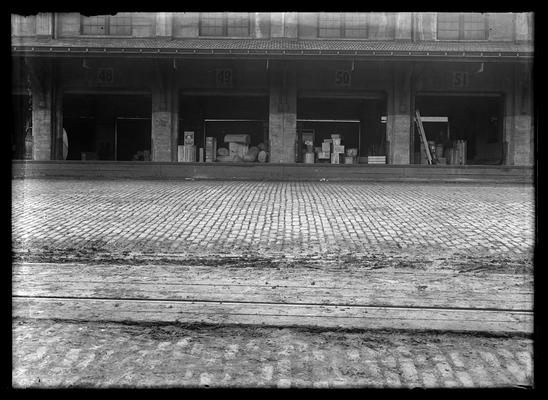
(128, 86)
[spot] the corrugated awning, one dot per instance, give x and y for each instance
(284, 48)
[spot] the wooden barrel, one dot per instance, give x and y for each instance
(262, 156)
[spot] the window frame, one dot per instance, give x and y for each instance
(461, 30)
(225, 26)
(107, 23)
(343, 27)
(17, 20)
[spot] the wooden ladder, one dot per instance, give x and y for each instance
(422, 136)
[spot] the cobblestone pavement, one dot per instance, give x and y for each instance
(60, 354)
(272, 218)
(433, 223)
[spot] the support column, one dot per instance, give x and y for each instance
(44, 24)
(404, 29)
(283, 113)
(162, 110)
(164, 24)
(398, 124)
(523, 144)
(42, 109)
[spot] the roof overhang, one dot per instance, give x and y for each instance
(38, 51)
(271, 49)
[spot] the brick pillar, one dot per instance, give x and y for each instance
(398, 124)
(277, 24)
(524, 28)
(42, 109)
(283, 114)
(261, 25)
(164, 25)
(44, 24)
(404, 22)
(291, 21)
(162, 118)
(425, 26)
(522, 135)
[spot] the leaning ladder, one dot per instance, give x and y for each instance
(422, 136)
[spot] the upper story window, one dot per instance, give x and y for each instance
(330, 25)
(116, 25)
(462, 26)
(348, 25)
(224, 24)
(355, 25)
(23, 25)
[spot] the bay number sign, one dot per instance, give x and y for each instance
(460, 79)
(343, 78)
(105, 75)
(223, 78)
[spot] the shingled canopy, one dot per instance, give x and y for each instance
(272, 48)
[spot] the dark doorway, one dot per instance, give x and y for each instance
(218, 116)
(359, 122)
(107, 126)
(133, 139)
(475, 119)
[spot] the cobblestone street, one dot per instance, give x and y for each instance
(273, 219)
(91, 354)
(76, 241)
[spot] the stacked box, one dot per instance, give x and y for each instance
(326, 147)
(188, 138)
(376, 159)
(211, 149)
(324, 155)
(336, 142)
(337, 148)
(348, 159)
(244, 139)
(335, 158)
(461, 152)
(186, 153)
(309, 158)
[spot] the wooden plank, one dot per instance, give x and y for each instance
(280, 294)
(272, 314)
(422, 136)
(294, 276)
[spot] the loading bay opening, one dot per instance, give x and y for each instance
(113, 127)
(476, 119)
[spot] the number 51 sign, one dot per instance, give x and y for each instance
(343, 78)
(460, 79)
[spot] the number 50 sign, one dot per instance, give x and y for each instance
(343, 78)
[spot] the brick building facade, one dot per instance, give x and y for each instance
(114, 86)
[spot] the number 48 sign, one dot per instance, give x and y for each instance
(343, 78)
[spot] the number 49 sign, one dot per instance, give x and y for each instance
(223, 78)
(343, 78)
